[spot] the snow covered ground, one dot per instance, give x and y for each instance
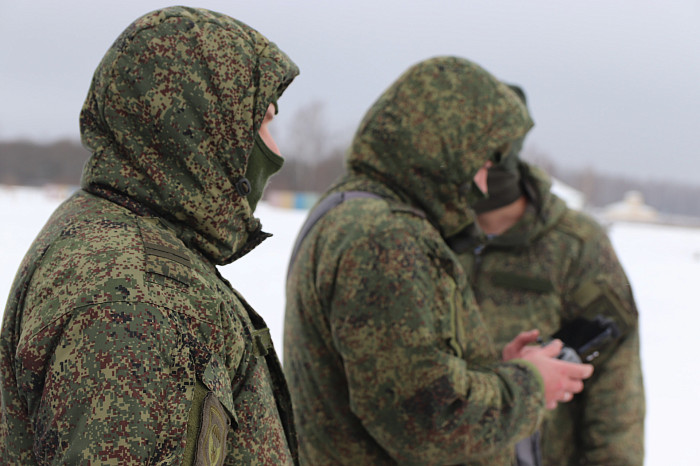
(663, 264)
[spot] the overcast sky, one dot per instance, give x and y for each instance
(612, 84)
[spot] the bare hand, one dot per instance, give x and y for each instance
(561, 379)
(518, 346)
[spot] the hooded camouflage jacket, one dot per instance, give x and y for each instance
(386, 355)
(121, 343)
(534, 276)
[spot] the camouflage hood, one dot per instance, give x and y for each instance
(431, 131)
(170, 120)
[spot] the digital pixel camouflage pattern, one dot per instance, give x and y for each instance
(530, 277)
(385, 352)
(121, 343)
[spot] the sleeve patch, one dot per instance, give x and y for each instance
(211, 445)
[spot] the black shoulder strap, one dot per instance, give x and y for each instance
(331, 201)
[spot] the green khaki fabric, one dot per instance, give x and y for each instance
(117, 311)
(530, 277)
(385, 351)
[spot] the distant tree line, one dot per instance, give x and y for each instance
(313, 161)
(31, 164)
(601, 189)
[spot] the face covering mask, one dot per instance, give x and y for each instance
(503, 181)
(262, 164)
(504, 189)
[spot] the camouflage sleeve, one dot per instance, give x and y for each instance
(417, 398)
(613, 402)
(613, 409)
(116, 388)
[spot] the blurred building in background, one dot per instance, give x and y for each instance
(631, 209)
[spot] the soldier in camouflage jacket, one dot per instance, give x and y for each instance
(549, 266)
(385, 352)
(121, 343)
